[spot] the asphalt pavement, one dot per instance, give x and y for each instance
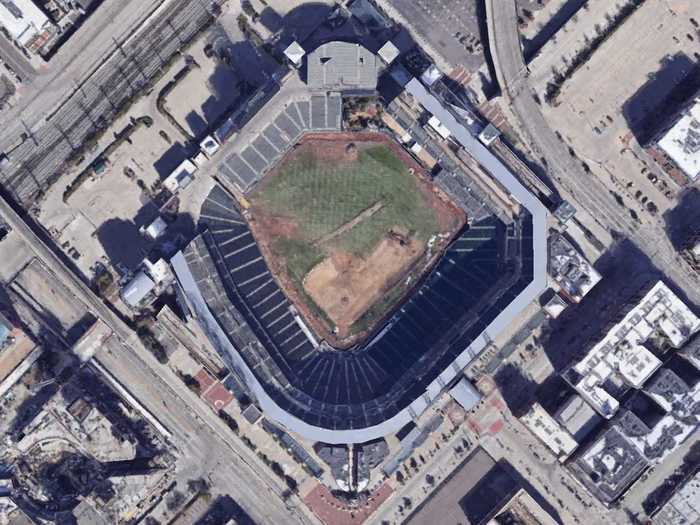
(585, 190)
(86, 48)
(203, 440)
(13, 57)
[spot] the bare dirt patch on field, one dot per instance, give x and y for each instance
(348, 222)
(345, 286)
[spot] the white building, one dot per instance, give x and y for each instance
(555, 306)
(682, 142)
(431, 75)
(550, 432)
(24, 21)
(621, 359)
(156, 229)
(572, 272)
(159, 271)
(137, 289)
(181, 177)
(388, 52)
(489, 134)
(209, 146)
(295, 53)
(439, 128)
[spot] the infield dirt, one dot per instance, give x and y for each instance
(348, 223)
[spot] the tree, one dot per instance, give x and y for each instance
(277, 469)
(198, 485)
(229, 420)
(291, 483)
(103, 282)
(152, 344)
(190, 382)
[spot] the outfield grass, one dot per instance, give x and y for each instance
(320, 197)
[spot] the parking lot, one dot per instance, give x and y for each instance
(105, 92)
(589, 112)
(100, 221)
(450, 26)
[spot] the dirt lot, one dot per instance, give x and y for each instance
(101, 218)
(349, 222)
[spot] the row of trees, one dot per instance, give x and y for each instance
(276, 468)
(554, 86)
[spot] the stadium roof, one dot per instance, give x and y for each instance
(5, 328)
(338, 66)
(498, 170)
(465, 394)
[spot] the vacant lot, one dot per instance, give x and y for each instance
(346, 224)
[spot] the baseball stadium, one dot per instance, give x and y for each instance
(343, 285)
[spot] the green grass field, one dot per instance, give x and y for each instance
(320, 197)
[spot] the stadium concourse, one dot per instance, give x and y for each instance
(485, 278)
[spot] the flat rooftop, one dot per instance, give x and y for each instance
(22, 19)
(549, 431)
(476, 489)
(682, 142)
(609, 466)
(621, 358)
(684, 505)
(341, 66)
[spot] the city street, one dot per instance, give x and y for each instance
(120, 52)
(202, 438)
(547, 476)
(82, 53)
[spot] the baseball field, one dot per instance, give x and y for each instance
(348, 226)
